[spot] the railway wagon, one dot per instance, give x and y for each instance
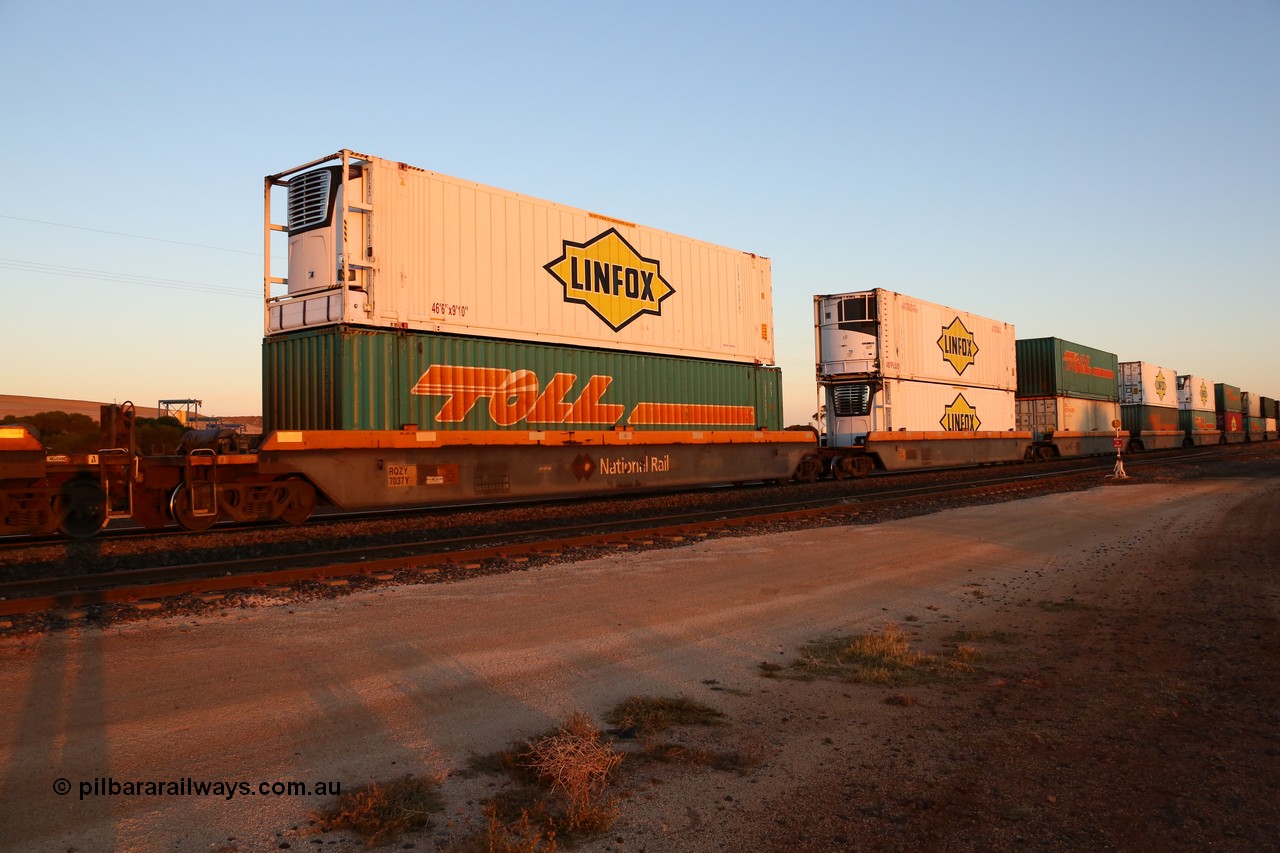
(1149, 406)
(439, 341)
(909, 384)
(1067, 397)
(1229, 411)
(458, 342)
(1196, 416)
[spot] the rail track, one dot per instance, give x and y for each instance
(430, 556)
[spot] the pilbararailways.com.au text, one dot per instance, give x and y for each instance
(188, 787)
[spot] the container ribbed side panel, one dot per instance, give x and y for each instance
(355, 378)
(1052, 367)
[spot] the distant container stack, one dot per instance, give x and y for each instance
(1197, 417)
(1149, 405)
(1228, 408)
(1067, 395)
(1271, 416)
(1254, 423)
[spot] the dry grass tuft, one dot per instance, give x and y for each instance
(526, 834)
(648, 714)
(381, 812)
(576, 763)
(884, 658)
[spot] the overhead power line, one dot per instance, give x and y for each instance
(122, 234)
(120, 278)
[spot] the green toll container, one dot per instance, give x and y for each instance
(355, 378)
(1140, 418)
(1052, 367)
(1227, 398)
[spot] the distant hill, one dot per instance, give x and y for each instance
(19, 406)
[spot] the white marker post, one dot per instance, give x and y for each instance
(1118, 471)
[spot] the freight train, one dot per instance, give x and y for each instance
(436, 341)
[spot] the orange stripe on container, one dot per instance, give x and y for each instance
(692, 413)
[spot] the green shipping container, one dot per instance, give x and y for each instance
(1195, 420)
(1052, 367)
(1142, 418)
(1227, 398)
(348, 378)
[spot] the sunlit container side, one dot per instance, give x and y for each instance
(1139, 418)
(1145, 384)
(1226, 398)
(879, 334)
(1250, 405)
(1044, 416)
(345, 378)
(385, 245)
(1052, 367)
(856, 408)
(1068, 426)
(1195, 393)
(1196, 415)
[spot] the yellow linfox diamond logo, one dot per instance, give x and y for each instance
(958, 346)
(960, 416)
(608, 276)
(1162, 384)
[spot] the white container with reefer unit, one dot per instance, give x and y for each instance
(856, 408)
(1145, 384)
(882, 334)
(1195, 393)
(381, 244)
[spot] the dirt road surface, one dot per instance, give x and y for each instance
(1123, 696)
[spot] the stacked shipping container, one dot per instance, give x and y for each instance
(891, 363)
(1067, 395)
(414, 298)
(1196, 416)
(1149, 405)
(1254, 423)
(1228, 408)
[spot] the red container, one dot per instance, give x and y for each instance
(1230, 421)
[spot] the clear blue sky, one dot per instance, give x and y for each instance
(1105, 172)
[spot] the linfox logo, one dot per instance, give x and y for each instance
(1162, 385)
(611, 278)
(518, 395)
(958, 346)
(1204, 394)
(960, 416)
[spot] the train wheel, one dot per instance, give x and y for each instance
(183, 504)
(299, 502)
(863, 467)
(82, 509)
